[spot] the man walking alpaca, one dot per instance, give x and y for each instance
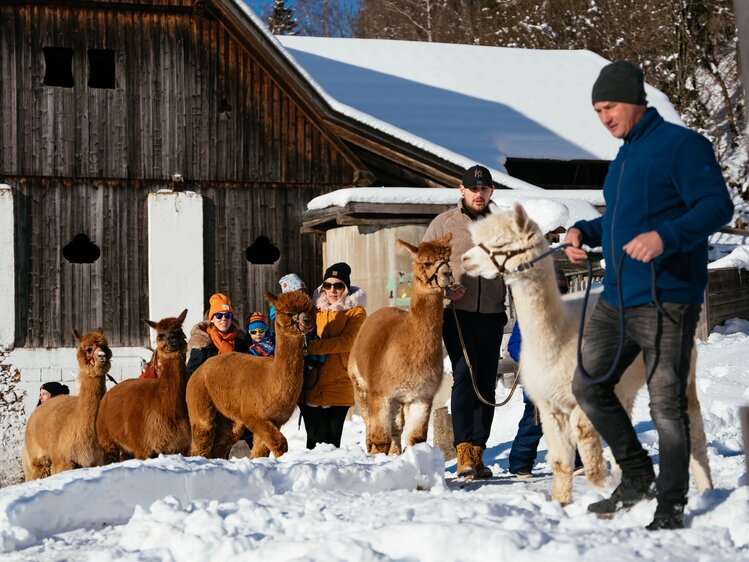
(664, 196)
(480, 309)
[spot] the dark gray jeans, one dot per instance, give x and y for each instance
(666, 348)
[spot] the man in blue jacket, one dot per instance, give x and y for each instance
(665, 195)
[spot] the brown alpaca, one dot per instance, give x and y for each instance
(235, 390)
(396, 360)
(61, 433)
(142, 418)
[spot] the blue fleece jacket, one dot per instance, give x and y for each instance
(664, 178)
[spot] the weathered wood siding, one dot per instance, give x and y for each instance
(727, 296)
(191, 96)
(53, 295)
(173, 71)
(234, 219)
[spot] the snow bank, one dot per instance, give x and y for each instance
(113, 494)
(739, 258)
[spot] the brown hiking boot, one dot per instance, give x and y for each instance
(466, 461)
(482, 471)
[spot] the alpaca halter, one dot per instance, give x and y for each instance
(434, 277)
(507, 254)
(295, 320)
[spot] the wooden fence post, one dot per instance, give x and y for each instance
(443, 433)
(744, 414)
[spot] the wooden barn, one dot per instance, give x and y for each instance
(156, 152)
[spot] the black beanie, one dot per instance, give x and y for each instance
(340, 271)
(620, 81)
(56, 388)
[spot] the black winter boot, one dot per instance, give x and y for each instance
(667, 517)
(627, 493)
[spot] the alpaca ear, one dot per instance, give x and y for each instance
(271, 298)
(405, 249)
(77, 335)
(181, 317)
(521, 217)
(99, 330)
(151, 323)
(446, 238)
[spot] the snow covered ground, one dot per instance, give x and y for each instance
(332, 504)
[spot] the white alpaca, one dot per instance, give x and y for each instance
(548, 360)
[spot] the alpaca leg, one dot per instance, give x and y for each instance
(397, 421)
(61, 465)
(589, 446)
(36, 468)
(269, 435)
(259, 449)
(223, 437)
(561, 455)
(378, 433)
(417, 423)
(202, 438)
(698, 441)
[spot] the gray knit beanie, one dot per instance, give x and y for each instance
(620, 81)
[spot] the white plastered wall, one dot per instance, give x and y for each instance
(7, 269)
(175, 256)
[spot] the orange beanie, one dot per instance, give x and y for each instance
(219, 303)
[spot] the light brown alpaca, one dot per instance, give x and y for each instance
(142, 418)
(548, 359)
(396, 359)
(235, 390)
(61, 433)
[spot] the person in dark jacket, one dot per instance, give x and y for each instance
(215, 336)
(50, 390)
(525, 445)
(479, 306)
(665, 195)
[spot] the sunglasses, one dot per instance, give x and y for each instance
(338, 286)
(222, 315)
(257, 332)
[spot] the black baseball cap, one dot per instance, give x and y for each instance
(477, 175)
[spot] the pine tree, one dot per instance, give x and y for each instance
(281, 20)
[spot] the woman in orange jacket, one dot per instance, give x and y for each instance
(340, 314)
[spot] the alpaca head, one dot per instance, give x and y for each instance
(295, 312)
(430, 261)
(503, 242)
(170, 337)
(93, 349)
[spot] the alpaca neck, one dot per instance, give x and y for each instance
(92, 388)
(539, 304)
(288, 361)
(425, 314)
(172, 377)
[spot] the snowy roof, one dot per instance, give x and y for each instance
(550, 209)
(480, 103)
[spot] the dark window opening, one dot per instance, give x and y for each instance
(58, 67)
(81, 250)
(101, 68)
(262, 251)
(224, 106)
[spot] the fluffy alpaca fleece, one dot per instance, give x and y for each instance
(61, 433)
(549, 353)
(236, 390)
(142, 418)
(396, 360)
